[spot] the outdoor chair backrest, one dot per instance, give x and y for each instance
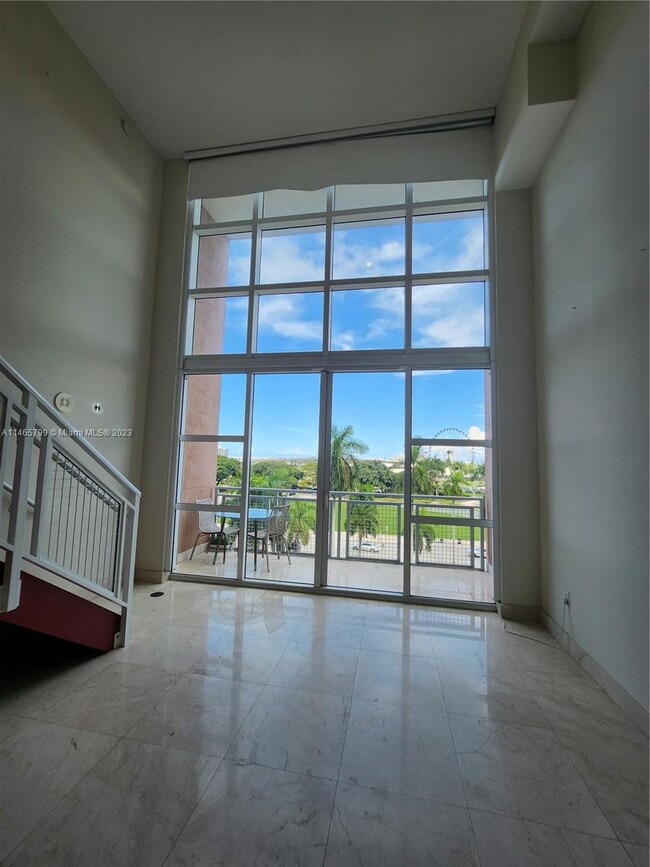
(207, 523)
(278, 521)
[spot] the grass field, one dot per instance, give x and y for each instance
(387, 514)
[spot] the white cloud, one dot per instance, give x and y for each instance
(282, 315)
(283, 260)
(352, 259)
(429, 257)
(448, 315)
(344, 340)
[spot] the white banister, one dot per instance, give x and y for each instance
(64, 506)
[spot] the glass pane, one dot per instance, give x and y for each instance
(448, 242)
(284, 451)
(448, 314)
(214, 404)
(435, 191)
(449, 559)
(450, 404)
(348, 196)
(283, 203)
(224, 260)
(209, 474)
(368, 319)
(293, 255)
(220, 325)
(229, 209)
(290, 323)
(366, 513)
(368, 249)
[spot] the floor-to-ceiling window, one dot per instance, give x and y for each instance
(336, 404)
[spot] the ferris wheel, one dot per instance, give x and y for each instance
(451, 433)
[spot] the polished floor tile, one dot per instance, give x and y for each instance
(639, 855)
(579, 705)
(252, 816)
(294, 731)
(30, 689)
(372, 828)
(523, 771)
(240, 656)
(129, 810)
(39, 764)
(497, 693)
(506, 842)
(174, 648)
(329, 669)
(113, 700)
(244, 726)
(406, 750)
(395, 636)
(616, 772)
(335, 629)
(398, 679)
(201, 714)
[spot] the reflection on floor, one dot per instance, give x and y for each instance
(247, 727)
(470, 585)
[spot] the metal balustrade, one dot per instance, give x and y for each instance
(65, 508)
(456, 536)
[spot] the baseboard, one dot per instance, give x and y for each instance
(185, 555)
(629, 705)
(150, 576)
(521, 613)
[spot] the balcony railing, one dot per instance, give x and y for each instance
(370, 526)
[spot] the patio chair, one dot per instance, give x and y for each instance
(275, 532)
(208, 526)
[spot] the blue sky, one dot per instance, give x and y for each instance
(285, 419)
(443, 315)
(286, 407)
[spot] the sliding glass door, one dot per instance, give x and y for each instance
(366, 495)
(335, 408)
(282, 496)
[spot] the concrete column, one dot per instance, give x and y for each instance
(517, 409)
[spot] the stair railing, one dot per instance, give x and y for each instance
(65, 507)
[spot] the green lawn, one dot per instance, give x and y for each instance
(387, 512)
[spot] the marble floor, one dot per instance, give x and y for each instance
(246, 727)
(454, 583)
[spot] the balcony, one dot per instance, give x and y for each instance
(365, 544)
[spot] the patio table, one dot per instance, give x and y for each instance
(256, 516)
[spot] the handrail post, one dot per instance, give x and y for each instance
(42, 488)
(10, 589)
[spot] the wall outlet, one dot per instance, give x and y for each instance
(567, 598)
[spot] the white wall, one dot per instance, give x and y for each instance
(78, 233)
(590, 209)
(518, 489)
(161, 435)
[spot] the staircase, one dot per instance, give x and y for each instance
(68, 523)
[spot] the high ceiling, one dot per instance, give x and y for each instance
(207, 74)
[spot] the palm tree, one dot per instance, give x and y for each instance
(364, 519)
(302, 519)
(426, 472)
(344, 450)
(453, 486)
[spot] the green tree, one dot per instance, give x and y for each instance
(375, 474)
(424, 537)
(228, 471)
(344, 450)
(274, 474)
(364, 518)
(302, 519)
(453, 485)
(427, 473)
(309, 469)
